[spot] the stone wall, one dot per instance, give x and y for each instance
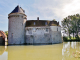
(38, 39)
(42, 37)
(56, 37)
(16, 31)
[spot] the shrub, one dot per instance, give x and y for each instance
(65, 38)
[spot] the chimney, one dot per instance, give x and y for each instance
(37, 18)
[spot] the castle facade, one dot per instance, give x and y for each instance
(23, 31)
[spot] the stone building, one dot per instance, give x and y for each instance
(3, 38)
(23, 31)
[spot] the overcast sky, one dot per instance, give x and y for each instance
(44, 9)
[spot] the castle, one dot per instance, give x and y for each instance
(23, 31)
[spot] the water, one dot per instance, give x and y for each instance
(63, 51)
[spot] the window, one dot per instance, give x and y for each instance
(46, 30)
(45, 23)
(34, 23)
(57, 29)
(34, 29)
(30, 32)
(12, 35)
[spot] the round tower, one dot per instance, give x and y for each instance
(16, 26)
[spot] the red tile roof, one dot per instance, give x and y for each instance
(3, 34)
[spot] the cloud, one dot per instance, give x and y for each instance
(45, 9)
(57, 9)
(72, 8)
(3, 19)
(2, 16)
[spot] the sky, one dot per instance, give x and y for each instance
(44, 9)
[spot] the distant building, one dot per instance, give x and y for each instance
(3, 38)
(23, 31)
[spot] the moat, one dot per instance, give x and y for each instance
(63, 51)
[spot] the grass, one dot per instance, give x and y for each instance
(66, 39)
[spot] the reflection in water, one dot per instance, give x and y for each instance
(66, 47)
(69, 49)
(40, 52)
(73, 45)
(3, 53)
(62, 51)
(2, 49)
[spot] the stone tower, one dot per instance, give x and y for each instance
(16, 26)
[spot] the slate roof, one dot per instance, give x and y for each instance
(18, 10)
(30, 23)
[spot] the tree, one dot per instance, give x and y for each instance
(72, 25)
(6, 32)
(66, 26)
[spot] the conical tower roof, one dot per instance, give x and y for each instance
(18, 10)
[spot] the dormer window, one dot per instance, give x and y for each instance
(45, 23)
(34, 23)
